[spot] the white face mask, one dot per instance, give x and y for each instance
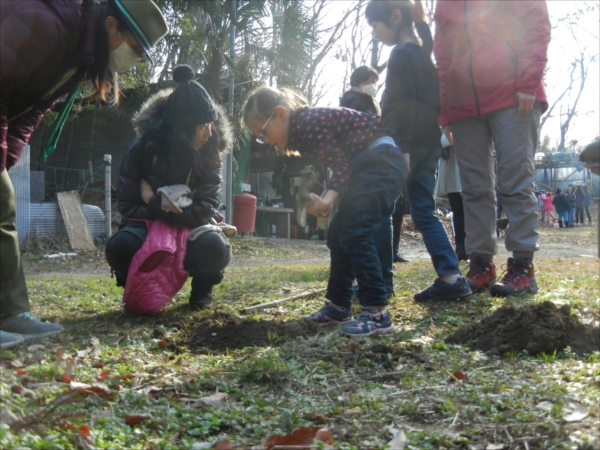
(370, 89)
(122, 58)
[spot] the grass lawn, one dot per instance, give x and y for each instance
(181, 380)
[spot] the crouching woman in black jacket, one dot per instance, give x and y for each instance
(181, 135)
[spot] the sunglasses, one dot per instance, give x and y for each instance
(262, 134)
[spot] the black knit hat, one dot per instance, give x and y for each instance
(189, 104)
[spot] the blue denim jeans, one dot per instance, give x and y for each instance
(563, 216)
(364, 210)
(572, 217)
(420, 185)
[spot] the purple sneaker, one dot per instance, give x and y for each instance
(330, 315)
(368, 323)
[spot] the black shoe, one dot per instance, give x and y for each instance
(440, 290)
(201, 302)
(400, 258)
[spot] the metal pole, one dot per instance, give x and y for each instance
(229, 161)
(107, 202)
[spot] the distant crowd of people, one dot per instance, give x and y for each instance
(570, 206)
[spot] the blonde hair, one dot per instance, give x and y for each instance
(263, 100)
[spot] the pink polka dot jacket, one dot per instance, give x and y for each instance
(332, 136)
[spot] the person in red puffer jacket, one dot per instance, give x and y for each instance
(491, 57)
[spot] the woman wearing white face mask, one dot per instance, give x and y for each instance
(48, 49)
(363, 89)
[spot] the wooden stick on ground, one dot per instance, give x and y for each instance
(277, 302)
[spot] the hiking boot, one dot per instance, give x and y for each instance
(29, 327)
(369, 322)
(8, 340)
(482, 273)
(400, 258)
(518, 280)
(441, 290)
(330, 315)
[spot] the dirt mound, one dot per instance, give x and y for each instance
(539, 328)
(221, 331)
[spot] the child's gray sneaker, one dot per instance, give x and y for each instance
(369, 322)
(330, 315)
(29, 327)
(8, 340)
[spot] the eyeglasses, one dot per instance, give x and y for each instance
(262, 134)
(136, 49)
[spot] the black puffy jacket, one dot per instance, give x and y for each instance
(359, 101)
(560, 202)
(147, 158)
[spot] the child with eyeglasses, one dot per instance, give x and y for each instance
(368, 172)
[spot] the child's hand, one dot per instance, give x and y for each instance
(448, 133)
(147, 192)
(526, 103)
(418, 12)
(322, 204)
(407, 159)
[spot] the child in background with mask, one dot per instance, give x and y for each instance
(363, 88)
(410, 106)
(368, 174)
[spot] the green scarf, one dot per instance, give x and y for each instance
(60, 123)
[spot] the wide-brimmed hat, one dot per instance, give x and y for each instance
(145, 21)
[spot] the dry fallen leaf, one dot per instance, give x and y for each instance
(495, 447)
(98, 389)
(399, 441)
(222, 445)
(34, 347)
(83, 439)
(579, 413)
(83, 353)
(301, 436)
(11, 364)
(134, 420)
(217, 399)
(460, 375)
(118, 339)
(7, 417)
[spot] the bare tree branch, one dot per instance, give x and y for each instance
(333, 38)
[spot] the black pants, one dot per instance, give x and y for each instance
(579, 214)
(397, 220)
(587, 211)
(205, 260)
(458, 218)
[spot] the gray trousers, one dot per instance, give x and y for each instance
(515, 139)
(13, 291)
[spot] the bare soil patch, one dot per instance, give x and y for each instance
(221, 331)
(539, 328)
